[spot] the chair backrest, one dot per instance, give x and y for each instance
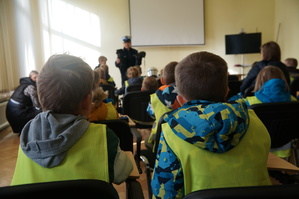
(135, 105)
(122, 130)
(281, 120)
(233, 78)
(294, 87)
(60, 189)
(284, 191)
(111, 92)
(234, 88)
(133, 87)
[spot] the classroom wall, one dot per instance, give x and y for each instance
(221, 17)
(287, 27)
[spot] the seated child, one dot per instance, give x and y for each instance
(208, 143)
(102, 76)
(108, 77)
(149, 83)
(271, 86)
(163, 100)
(102, 110)
(59, 143)
(133, 78)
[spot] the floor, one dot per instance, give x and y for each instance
(9, 142)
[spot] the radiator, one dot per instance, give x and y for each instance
(3, 121)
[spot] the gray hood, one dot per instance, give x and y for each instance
(47, 138)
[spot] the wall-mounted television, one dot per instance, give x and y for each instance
(243, 43)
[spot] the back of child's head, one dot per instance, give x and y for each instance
(202, 76)
(132, 72)
(291, 62)
(168, 73)
(105, 68)
(267, 73)
(102, 59)
(139, 70)
(63, 83)
(101, 72)
(149, 83)
(98, 96)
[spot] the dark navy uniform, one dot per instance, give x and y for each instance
(127, 59)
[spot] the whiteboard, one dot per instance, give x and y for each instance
(167, 22)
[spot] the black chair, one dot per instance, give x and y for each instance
(111, 92)
(133, 87)
(60, 189)
(233, 78)
(281, 120)
(123, 131)
(248, 92)
(286, 191)
(234, 88)
(135, 105)
(294, 87)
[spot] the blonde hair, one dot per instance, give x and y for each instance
(98, 96)
(64, 81)
(132, 72)
(101, 72)
(105, 68)
(267, 73)
(202, 76)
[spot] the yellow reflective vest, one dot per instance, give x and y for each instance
(86, 159)
(244, 165)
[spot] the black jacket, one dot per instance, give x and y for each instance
(249, 81)
(18, 94)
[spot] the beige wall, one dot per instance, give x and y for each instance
(287, 18)
(221, 17)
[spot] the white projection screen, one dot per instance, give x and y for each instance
(167, 22)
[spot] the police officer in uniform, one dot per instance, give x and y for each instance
(126, 57)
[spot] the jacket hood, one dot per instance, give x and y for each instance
(47, 138)
(27, 81)
(273, 90)
(216, 127)
(167, 95)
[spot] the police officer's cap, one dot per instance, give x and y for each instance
(126, 39)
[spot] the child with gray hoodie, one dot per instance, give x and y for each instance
(59, 143)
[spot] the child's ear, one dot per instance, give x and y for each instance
(162, 81)
(181, 99)
(86, 105)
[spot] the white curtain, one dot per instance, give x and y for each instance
(33, 30)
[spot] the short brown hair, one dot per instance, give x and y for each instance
(64, 81)
(267, 73)
(271, 51)
(168, 72)
(291, 62)
(202, 76)
(102, 58)
(150, 83)
(98, 96)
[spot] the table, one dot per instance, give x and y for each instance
(276, 163)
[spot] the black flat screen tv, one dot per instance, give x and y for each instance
(243, 43)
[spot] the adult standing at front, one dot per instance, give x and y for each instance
(126, 57)
(23, 105)
(271, 55)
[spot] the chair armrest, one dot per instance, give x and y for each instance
(137, 136)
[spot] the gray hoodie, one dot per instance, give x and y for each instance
(47, 138)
